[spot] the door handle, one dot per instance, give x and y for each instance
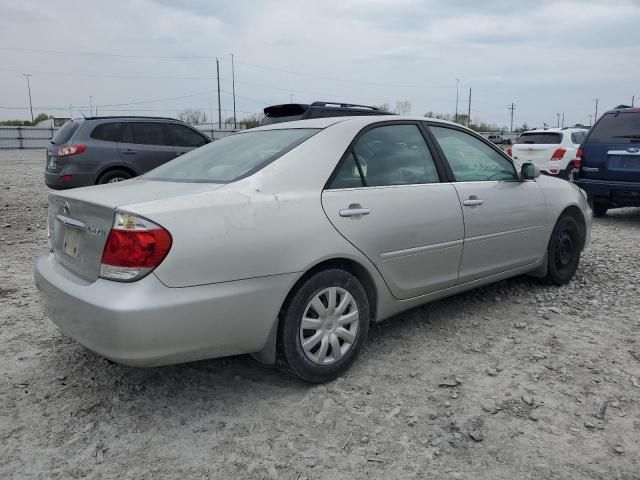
(354, 211)
(472, 201)
(129, 152)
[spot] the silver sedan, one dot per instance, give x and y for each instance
(287, 241)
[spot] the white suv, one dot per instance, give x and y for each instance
(553, 150)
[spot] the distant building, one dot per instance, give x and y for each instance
(53, 122)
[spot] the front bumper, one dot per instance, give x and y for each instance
(146, 323)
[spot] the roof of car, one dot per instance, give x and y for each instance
(555, 129)
(363, 119)
(127, 117)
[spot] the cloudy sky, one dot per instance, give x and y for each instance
(157, 57)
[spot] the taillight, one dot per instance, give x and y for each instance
(558, 154)
(135, 246)
(67, 150)
(578, 161)
(510, 152)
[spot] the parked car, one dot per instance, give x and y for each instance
(608, 165)
(496, 138)
(300, 111)
(96, 150)
(278, 242)
(553, 150)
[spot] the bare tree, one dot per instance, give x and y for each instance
(193, 117)
(403, 107)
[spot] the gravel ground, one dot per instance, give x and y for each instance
(513, 381)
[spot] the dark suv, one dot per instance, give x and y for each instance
(608, 166)
(89, 151)
(300, 111)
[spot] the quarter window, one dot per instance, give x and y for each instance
(578, 137)
(470, 159)
(388, 155)
(107, 132)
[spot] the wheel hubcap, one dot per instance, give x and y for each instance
(564, 249)
(116, 179)
(329, 325)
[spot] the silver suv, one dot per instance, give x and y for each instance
(90, 151)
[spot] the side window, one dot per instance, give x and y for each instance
(348, 176)
(391, 155)
(470, 159)
(181, 136)
(126, 136)
(107, 132)
(148, 133)
(577, 137)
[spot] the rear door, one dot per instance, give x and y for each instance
(143, 146)
(612, 149)
(504, 218)
(388, 200)
(182, 138)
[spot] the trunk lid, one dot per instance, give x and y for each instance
(62, 136)
(80, 220)
(536, 147)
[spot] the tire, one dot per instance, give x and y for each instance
(113, 176)
(563, 252)
(318, 363)
(599, 209)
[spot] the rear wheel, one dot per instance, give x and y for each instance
(564, 251)
(114, 176)
(323, 326)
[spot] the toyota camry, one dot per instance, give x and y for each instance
(286, 241)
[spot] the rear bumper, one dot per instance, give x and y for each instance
(56, 182)
(146, 323)
(623, 194)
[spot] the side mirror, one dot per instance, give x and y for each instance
(529, 171)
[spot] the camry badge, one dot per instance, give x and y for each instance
(633, 150)
(65, 208)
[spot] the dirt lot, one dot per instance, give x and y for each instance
(513, 381)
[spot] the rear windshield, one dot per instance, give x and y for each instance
(232, 157)
(65, 133)
(620, 128)
(544, 138)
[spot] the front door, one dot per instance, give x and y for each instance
(504, 218)
(388, 200)
(143, 145)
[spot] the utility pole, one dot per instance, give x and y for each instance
(469, 112)
(633, 99)
(233, 87)
(558, 115)
(219, 110)
(595, 117)
(511, 107)
(211, 116)
(590, 119)
(90, 106)
(291, 98)
(70, 111)
(457, 92)
(562, 119)
(27, 75)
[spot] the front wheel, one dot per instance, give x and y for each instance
(563, 251)
(323, 326)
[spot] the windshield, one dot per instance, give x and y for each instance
(544, 138)
(232, 157)
(617, 128)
